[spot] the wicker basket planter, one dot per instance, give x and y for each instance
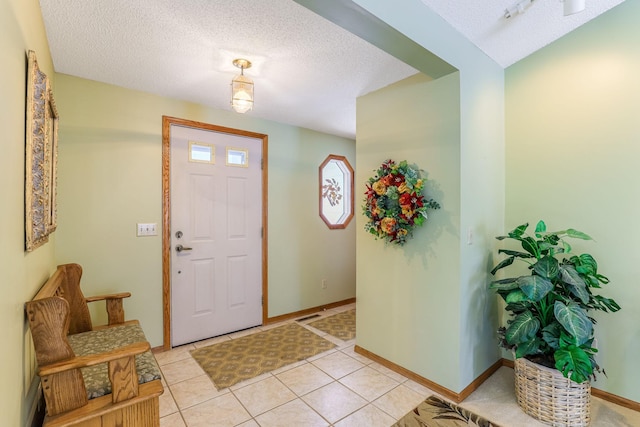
(545, 394)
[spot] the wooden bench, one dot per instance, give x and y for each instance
(91, 376)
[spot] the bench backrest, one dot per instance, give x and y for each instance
(65, 283)
(48, 320)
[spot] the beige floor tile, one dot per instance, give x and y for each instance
(182, 370)
(222, 411)
(250, 381)
(606, 414)
(388, 372)
(424, 391)
(321, 355)
(294, 413)
(304, 379)
(369, 383)
(334, 401)
(288, 367)
(194, 391)
(173, 420)
(399, 401)
(264, 395)
(167, 404)
(347, 344)
(173, 355)
(369, 416)
(340, 403)
(338, 364)
(350, 351)
(337, 341)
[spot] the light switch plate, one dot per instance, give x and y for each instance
(147, 229)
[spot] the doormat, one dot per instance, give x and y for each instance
(435, 412)
(341, 325)
(230, 362)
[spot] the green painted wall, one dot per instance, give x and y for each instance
(466, 343)
(21, 29)
(572, 159)
(110, 179)
(404, 288)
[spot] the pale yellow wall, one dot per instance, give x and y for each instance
(110, 179)
(21, 29)
(573, 144)
(471, 345)
(408, 297)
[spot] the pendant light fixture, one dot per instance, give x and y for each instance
(241, 88)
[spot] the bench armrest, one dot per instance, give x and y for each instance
(115, 311)
(120, 295)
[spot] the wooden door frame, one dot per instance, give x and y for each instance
(166, 214)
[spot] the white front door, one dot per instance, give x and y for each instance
(216, 232)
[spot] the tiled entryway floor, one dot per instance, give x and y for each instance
(336, 388)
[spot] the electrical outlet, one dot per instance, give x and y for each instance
(147, 229)
(324, 283)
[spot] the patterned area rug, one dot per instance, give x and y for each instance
(230, 362)
(341, 325)
(435, 412)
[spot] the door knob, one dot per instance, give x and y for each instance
(180, 248)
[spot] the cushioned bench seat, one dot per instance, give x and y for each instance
(96, 378)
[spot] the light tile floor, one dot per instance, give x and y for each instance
(336, 388)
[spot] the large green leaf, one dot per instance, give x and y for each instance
(517, 254)
(585, 264)
(504, 284)
(516, 296)
(547, 267)
(535, 287)
(607, 304)
(541, 227)
(518, 307)
(517, 232)
(544, 246)
(574, 363)
(530, 347)
(523, 328)
(578, 234)
(530, 245)
(575, 283)
(551, 335)
(504, 263)
(574, 320)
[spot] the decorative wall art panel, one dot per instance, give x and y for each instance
(40, 158)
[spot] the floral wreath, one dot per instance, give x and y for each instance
(394, 202)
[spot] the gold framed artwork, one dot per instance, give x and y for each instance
(41, 157)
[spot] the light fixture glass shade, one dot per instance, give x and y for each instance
(241, 94)
(573, 6)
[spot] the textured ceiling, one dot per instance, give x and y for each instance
(307, 71)
(509, 40)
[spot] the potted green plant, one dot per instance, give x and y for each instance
(550, 323)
